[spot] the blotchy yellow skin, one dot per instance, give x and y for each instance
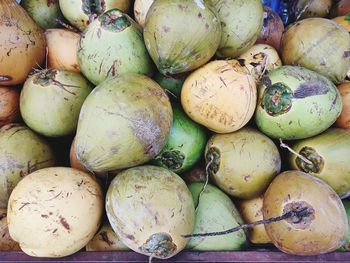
(6, 242)
(148, 200)
(328, 226)
(317, 44)
(251, 211)
(54, 212)
(248, 160)
(106, 240)
(73, 11)
(62, 47)
(220, 96)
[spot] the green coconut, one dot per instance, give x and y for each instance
(51, 99)
(241, 22)
(296, 103)
(329, 154)
(242, 163)
(215, 212)
(124, 122)
(181, 35)
(185, 145)
(150, 208)
(80, 13)
(21, 153)
(172, 85)
(318, 44)
(112, 45)
(46, 13)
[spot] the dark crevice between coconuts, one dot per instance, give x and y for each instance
(47, 77)
(2, 216)
(317, 162)
(298, 214)
(172, 159)
(277, 99)
(159, 245)
(114, 20)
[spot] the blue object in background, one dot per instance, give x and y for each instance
(281, 7)
(273, 4)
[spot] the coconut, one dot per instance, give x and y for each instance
(48, 207)
(181, 35)
(324, 227)
(9, 105)
(141, 8)
(215, 212)
(220, 96)
(242, 163)
(124, 122)
(318, 44)
(6, 242)
(150, 227)
(115, 43)
(21, 152)
(344, 119)
(311, 8)
(329, 159)
(296, 103)
(51, 99)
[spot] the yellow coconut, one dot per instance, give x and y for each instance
(220, 96)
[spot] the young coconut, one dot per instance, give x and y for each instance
(344, 119)
(311, 8)
(272, 30)
(124, 122)
(215, 212)
(21, 152)
(150, 227)
(185, 145)
(241, 22)
(80, 13)
(115, 43)
(62, 46)
(220, 96)
(74, 163)
(197, 174)
(20, 37)
(318, 44)
(51, 99)
(296, 103)
(328, 156)
(141, 8)
(6, 242)
(106, 240)
(176, 47)
(242, 163)
(48, 207)
(340, 8)
(9, 105)
(45, 13)
(260, 59)
(324, 228)
(172, 85)
(251, 211)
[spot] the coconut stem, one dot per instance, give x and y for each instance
(211, 159)
(283, 145)
(299, 214)
(66, 26)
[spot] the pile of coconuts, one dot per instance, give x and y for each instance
(162, 126)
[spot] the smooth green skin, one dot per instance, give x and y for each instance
(52, 110)
(173, 86)
(147, 200)
(21, 152)
(249, 161)
(104, 53)
(216, 212)
(124, 122)
(346, 247)
(308, 116)
(44, 12)
(241, 22)
(334, 147)
(181, 35)
(185, 136)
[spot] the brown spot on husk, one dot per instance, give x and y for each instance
(297, 222)
(311, 88)
(104, 237)
(64, 223)
(160, 245)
